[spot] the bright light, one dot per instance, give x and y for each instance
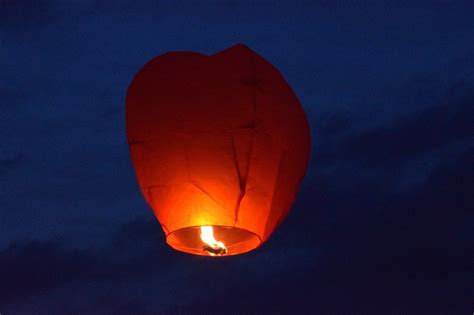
(213, 247)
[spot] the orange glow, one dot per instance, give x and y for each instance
(219, 145)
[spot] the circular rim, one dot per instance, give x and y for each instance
(193, 251)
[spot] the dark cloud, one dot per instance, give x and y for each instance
(32, 267)
(10, 161)
(411, 249)
(24, 13)
(10, 94)
(406, 137)
(29, 268)
(334, 124)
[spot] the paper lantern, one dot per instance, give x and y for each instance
(219, 144)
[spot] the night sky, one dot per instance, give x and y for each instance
(383, 222)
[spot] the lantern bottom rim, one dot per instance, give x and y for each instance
(236, 240)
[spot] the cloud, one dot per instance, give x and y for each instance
(410, 136)
(42, 274)
(25, 13)
(31, 267)
(390, 253)
(334, 124)
(10, 161)
(32, 270)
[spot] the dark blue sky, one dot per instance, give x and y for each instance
(384, 220)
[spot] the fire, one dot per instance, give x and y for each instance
(213, 247)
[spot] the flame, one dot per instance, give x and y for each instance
(213, 247)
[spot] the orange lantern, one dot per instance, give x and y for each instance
(219, 144)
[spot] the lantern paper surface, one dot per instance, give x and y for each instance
(219, 145)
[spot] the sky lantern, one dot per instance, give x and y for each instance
(219, 144)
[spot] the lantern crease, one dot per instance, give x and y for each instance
(242, 176)
(243, 180)
(205, 192)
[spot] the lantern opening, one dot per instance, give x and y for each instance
(216, 241)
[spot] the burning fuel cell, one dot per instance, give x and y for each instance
(211, 245)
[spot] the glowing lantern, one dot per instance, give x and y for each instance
(219, 144)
